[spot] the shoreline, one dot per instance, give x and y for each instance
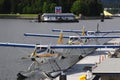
(35, 16)
(11, 17)
(19, 16)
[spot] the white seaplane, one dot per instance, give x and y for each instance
(48, 61)
(85, 37)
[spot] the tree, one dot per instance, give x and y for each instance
(6, 7)
(95, 7)
(65, 4)
(76, 7)
(39, 6)
(45, 7)
(79, 7)
(1, 4)
(52, 7)
(87, 7)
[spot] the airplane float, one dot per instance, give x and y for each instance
(49, 61)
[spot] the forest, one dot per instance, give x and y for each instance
(84, 7)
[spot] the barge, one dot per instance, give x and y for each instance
(61, 17)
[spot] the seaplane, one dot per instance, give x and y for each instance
(83, 36)
(50, 61)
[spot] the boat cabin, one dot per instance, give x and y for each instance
(61, 17)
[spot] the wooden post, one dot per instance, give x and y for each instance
(39, 17)
(102, 17)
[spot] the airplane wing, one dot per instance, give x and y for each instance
(17, 45)
(80, 31)
(114, 31)
(57, 36)
(83, 37)
(76, 31)
(57, 46)
(80, 46)
(44, 35)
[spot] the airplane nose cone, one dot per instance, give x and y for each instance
(21, 76)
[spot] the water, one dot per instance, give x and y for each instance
(12, 30)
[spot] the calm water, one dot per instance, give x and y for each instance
(12, 30)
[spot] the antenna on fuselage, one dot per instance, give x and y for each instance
(98, 27)
(98, 30)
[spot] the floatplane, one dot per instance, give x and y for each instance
(49, 61)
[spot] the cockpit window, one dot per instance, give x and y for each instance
(74, 39)
(91, 33)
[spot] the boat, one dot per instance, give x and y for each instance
(107, 15)
(58, 17)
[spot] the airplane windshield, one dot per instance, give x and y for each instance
(40, 49)
(74, 39)
(91, 33)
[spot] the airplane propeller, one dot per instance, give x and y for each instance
(60, 39)
(83, 31)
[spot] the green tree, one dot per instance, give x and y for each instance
(6, 7)
(76, 7)
(79, 7)
(52, 7)
(46, 8)
(87, 7)
(1, 4)
(95, 7)
(39, 6)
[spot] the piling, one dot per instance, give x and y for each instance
(39, 17)
(102, 17)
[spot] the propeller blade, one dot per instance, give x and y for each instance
(83, 31)
(60, 39)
